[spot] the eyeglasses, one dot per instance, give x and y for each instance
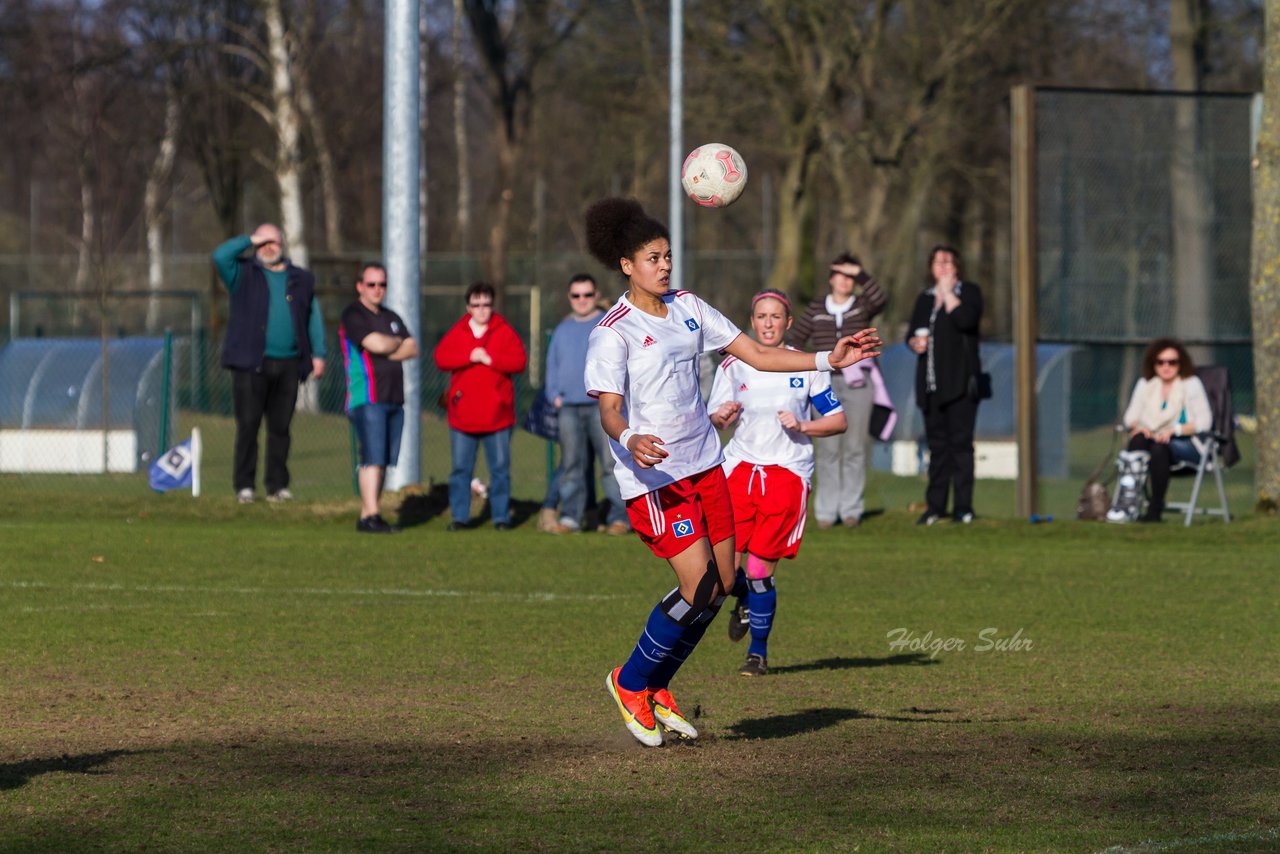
(375, 284)
(1174, 362)
(479, 305)
(582, 296)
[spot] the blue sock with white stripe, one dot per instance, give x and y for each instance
(663, 673)
(762, 602)
(661, 638)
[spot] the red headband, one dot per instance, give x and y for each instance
(782, 298)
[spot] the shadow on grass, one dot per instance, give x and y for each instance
(1179, 775)
(417, 510)
(14, 775)
(910, 658)
(812, 720)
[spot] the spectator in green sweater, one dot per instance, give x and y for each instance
(275, 340)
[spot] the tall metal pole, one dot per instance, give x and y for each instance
(1024, 294)
(400, 248)
(675, 194)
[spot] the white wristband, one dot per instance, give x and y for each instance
(626, 437)
(823, 361)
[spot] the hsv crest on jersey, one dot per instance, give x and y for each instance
(797, 382)
(648, 341)
(692, 324)
(682, 528)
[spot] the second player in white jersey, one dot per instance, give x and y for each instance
(762, 436)
(769, 465)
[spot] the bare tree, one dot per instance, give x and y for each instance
(461, 145)
(318, 135)
(282, 114)
(157, 180)
(1190, 197)
(514, 39)
(1264, 288)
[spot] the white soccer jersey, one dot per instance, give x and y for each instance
(759, 437)
(653, 363)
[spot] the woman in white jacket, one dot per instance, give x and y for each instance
(1167, 409)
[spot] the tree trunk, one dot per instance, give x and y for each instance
(88, 228)
(328, 172)
(795, 216)
(287, 126)
(461, 143)
(153, 212)
(423, 124)
(288, 131)
(1190, 200)
(500, 230)
(1264, 290)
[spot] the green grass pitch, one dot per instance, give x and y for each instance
(182, 675)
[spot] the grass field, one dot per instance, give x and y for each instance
(184, 675)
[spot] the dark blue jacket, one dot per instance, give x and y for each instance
(246, 340)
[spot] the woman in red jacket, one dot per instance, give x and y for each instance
(481, 352)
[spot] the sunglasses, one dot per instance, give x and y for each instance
(375, 284)
(582, 296)
(1174, 362)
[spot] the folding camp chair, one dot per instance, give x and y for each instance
(1220, 450)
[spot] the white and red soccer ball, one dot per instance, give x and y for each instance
(714, 175)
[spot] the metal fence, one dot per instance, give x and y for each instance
(1144, 220)
(38, 304)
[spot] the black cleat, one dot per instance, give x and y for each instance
(754, 666)
(739, 623)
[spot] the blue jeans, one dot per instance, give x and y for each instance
(581, 434)
(497, 454)
(378, 426)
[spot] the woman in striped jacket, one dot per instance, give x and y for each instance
(841, 460)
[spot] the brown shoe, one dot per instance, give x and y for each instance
(618, 529)
(824, 525)
(851, 523)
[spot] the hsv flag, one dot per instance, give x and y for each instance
(179, 467)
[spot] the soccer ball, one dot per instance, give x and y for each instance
(714, 175)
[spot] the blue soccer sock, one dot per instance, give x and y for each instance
(662, 637)
(740, 586)
(666, 671)
(762, 602)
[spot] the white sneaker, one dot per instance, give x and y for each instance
(280, 496)
(571, 524)
(245, 496)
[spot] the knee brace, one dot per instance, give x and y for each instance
(706, 596)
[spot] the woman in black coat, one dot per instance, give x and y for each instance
(944, 334)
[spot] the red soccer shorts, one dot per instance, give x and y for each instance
(674, 517)
(768, 510)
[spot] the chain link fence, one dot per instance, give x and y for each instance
(1144, 220)
(89, 447)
